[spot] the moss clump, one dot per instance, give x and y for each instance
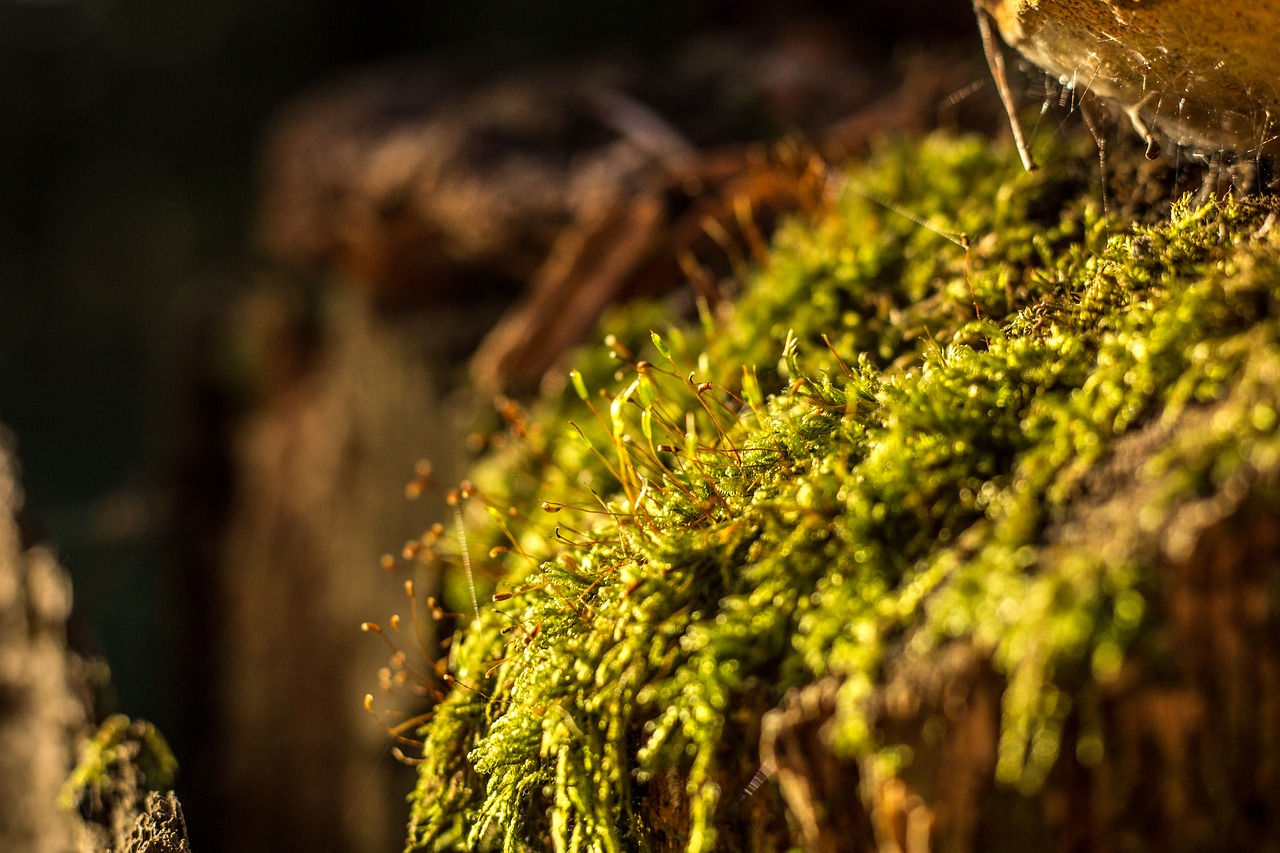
(120, 748)
(879, 479)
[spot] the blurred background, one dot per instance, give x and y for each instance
(127, 167)
(178, 183)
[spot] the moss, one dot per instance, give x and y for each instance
(119, 747)
(914, 415)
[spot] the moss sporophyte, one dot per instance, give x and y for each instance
(682, 539)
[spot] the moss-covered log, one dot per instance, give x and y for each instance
(986, 521)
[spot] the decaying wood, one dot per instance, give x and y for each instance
(159, 828)
(635, 248)
(117, 813)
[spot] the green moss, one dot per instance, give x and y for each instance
(877, 481)
(119, 743)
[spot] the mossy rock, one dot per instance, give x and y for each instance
(977, 550)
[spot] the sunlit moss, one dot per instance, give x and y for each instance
(913, 416)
